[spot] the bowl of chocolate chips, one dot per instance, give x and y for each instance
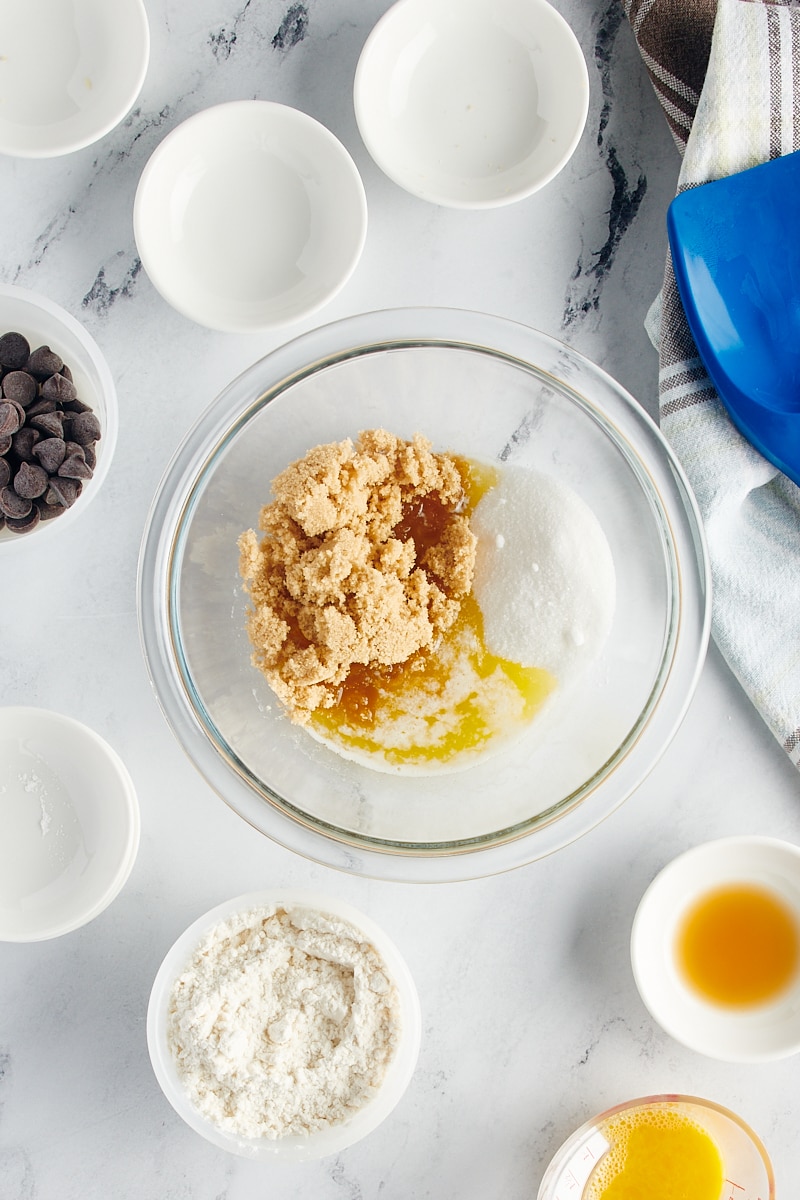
(58, 416)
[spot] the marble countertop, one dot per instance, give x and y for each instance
(531, 1020)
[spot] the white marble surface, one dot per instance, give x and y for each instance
(531, 1018)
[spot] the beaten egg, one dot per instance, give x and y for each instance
(657, 1154)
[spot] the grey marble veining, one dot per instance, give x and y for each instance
(531, 1018)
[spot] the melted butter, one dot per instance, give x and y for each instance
(478, 479)
(444, 703)
(438, 705)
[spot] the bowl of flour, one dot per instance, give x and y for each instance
(283, 1025)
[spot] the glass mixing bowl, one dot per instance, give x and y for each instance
(481, 387)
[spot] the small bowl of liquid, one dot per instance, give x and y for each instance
(715, 949)
(661, 1147)
(69, 824)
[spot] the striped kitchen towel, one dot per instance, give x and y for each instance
(727, 73)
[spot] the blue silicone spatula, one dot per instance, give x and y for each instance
(735, 247)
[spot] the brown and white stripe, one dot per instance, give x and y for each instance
(674, 39)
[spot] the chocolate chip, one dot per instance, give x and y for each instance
(23, 441)
(30, 481)
(44, 362)
(47, 435)
(58, 388)
(14, 351)
(13, 505)
(51, 453)
(19, 385)
(48, 511)
(41, 406)
(74, 467)
(50, 423)
(20, 410)
(62, 491)
(85, 428)
(9, 418)
(24, 524)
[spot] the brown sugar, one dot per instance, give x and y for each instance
(365, 557)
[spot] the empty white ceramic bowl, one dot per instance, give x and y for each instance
(323, 1142)
(43, 322)
(472, 104)
(70, 70)
(249, 215)
(754, 1034)
(69, 824)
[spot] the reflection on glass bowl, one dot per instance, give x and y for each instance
(487, 389)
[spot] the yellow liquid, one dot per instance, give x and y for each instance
(739, 945)
(444, 704)
(656, 1154)
(439, 707)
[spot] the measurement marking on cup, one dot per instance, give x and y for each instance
(572, 1185)
(577, 1171)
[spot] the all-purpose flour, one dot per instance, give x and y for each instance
(283, 1022)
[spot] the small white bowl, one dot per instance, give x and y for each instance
(290, 1149)
(753, 1034)
(45, 323)
(249, 215)
(69, 72)
(472, 104)
(69, 824)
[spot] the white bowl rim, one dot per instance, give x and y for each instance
(323, 1142)
(271, 110)
(725, 1035)
(110, 421)
(364, 108)
(139, 52)
(127, 807)
(464, 329)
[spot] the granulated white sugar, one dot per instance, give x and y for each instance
(544, 576)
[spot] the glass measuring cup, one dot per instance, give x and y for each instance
(747, 1170)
